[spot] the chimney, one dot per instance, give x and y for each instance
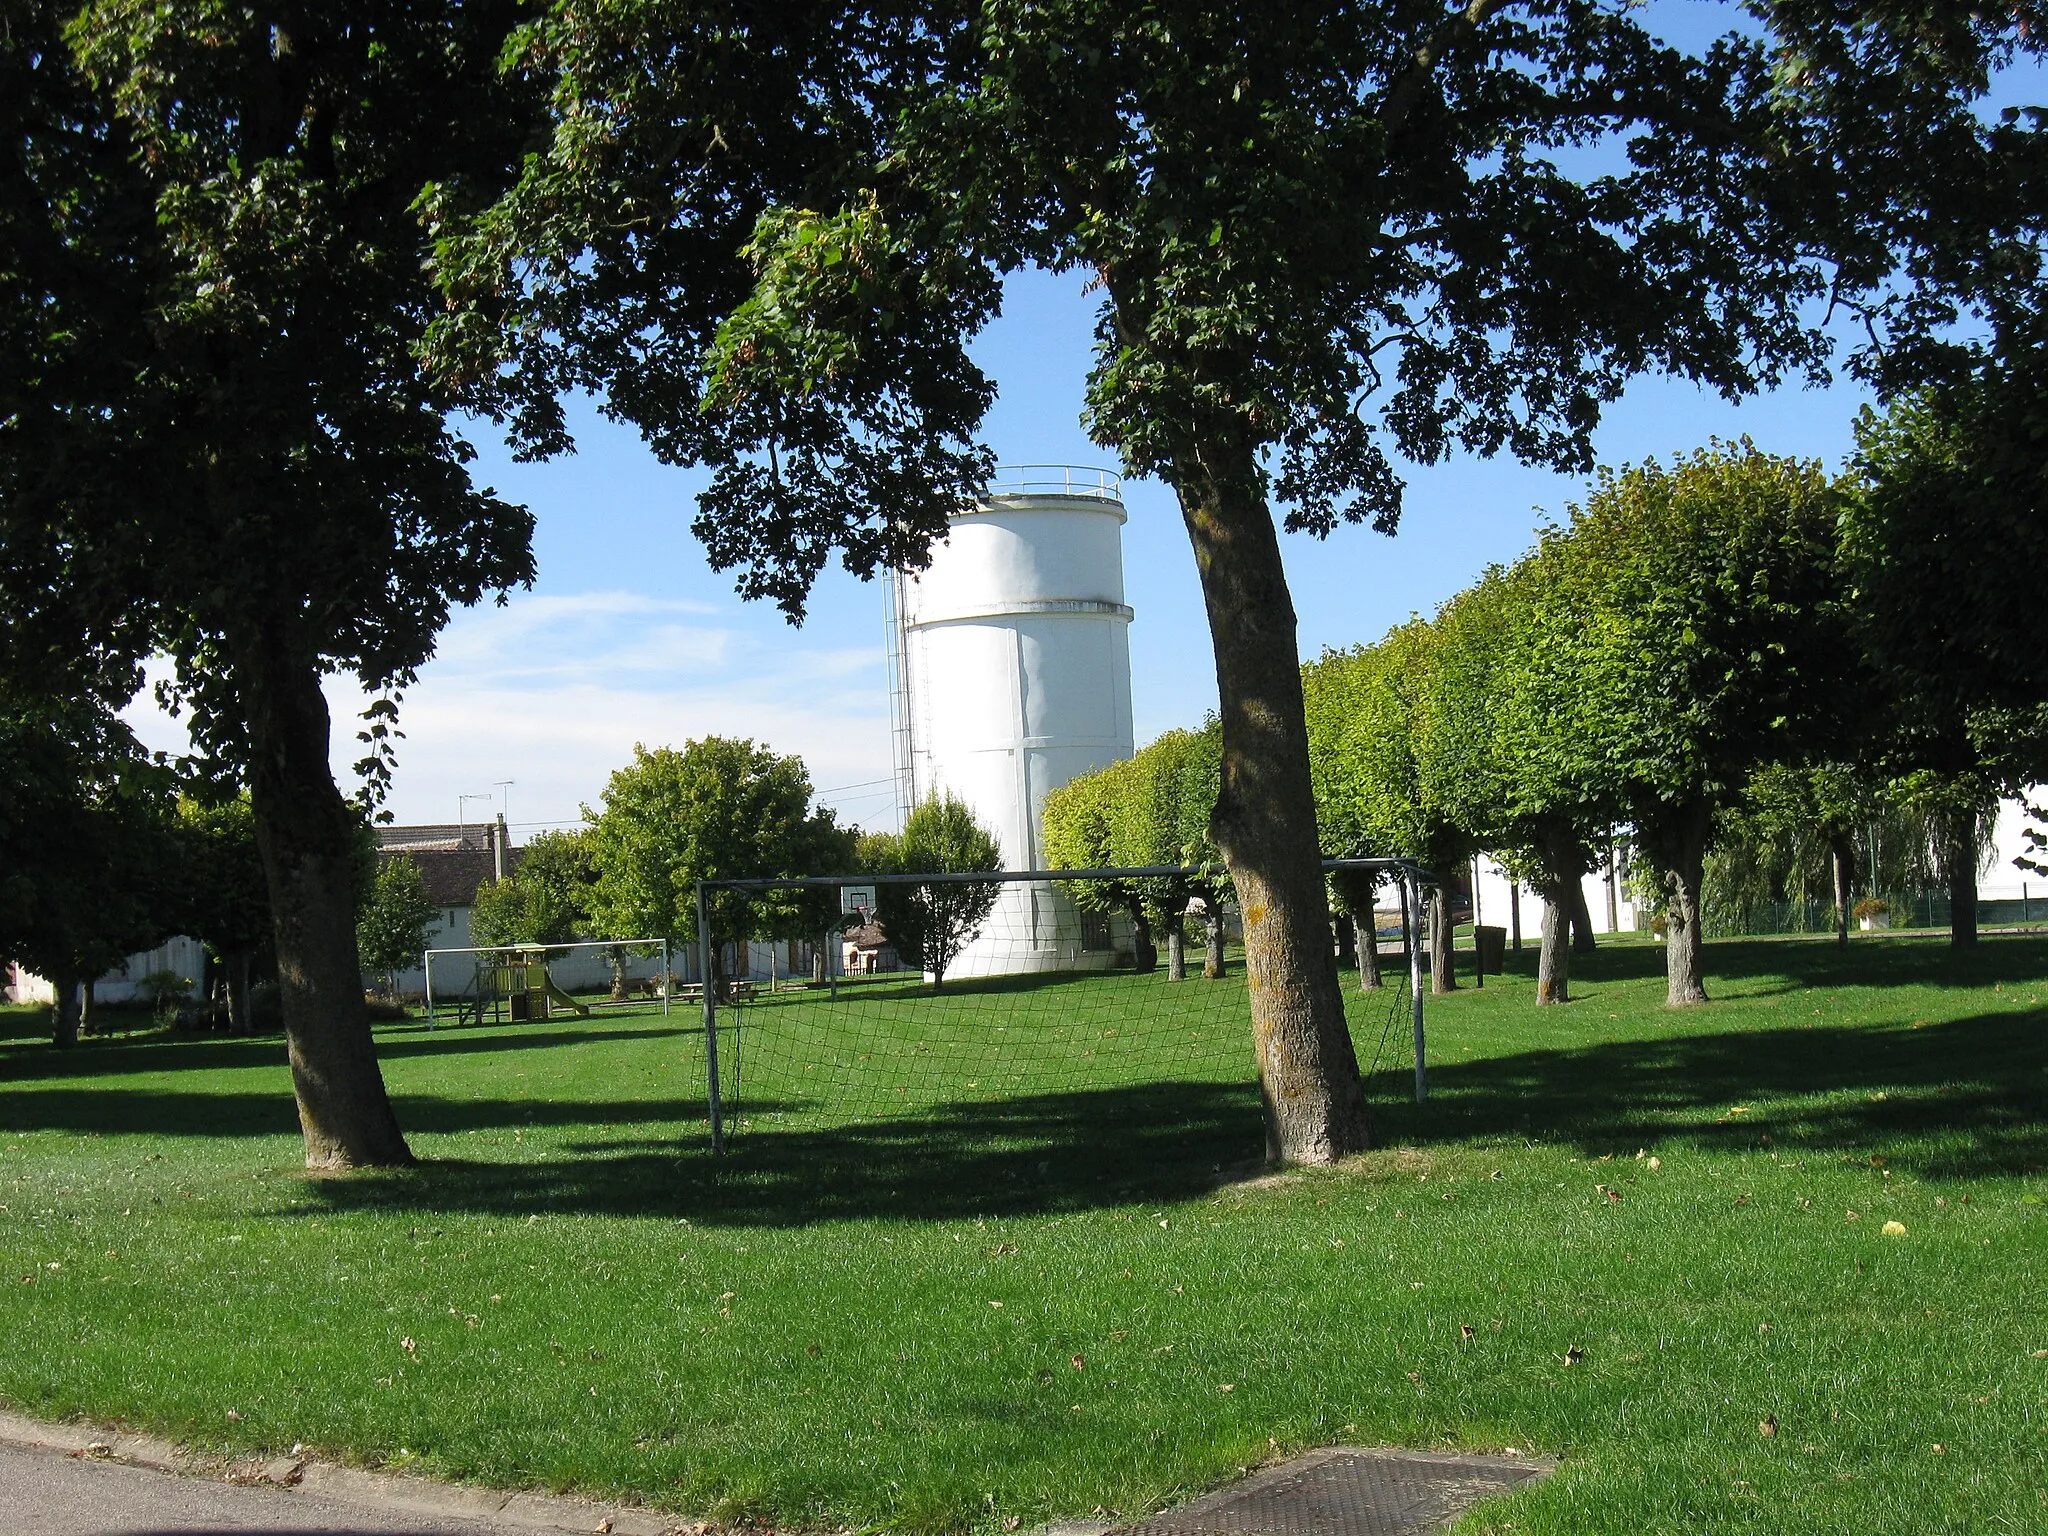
(500, 836)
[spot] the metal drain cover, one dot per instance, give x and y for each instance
(1345, 1493)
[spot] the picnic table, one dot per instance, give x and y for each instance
(731, 992)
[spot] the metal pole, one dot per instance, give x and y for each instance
(667, 980)
(710, 1025)
(1515, 912)
(427, 981)
(1412, 889)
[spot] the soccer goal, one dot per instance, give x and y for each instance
(515, 983)
(1044, 1001)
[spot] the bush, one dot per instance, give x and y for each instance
(1871, 906)
(166, 993)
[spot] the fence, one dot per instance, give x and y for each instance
(2001, 906)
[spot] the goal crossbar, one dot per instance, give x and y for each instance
(1194, 872)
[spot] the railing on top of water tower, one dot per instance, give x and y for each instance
(1055, 480)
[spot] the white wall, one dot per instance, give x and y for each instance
(182, 957)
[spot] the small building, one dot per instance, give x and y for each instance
(866, 950)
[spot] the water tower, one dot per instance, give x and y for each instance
(1013, 676)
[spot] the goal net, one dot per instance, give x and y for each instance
(1041, 1005)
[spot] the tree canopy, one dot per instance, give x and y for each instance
(719, 809)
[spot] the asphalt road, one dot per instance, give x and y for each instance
(47, 1493)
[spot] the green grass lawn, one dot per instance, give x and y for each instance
(1064, 1290)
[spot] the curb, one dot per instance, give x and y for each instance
(392, 1492)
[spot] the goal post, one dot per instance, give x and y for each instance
(512, 954)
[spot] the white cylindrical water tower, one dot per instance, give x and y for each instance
(1016, 662)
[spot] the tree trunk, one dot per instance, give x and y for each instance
(64, 1011)
(1265, 816)
(1347, 940)
(1443, 974)
(1367, 942)
(1554, 959)
(1843, 854)
(1176, 948)
(819, 961)
(1144, 953)
(1959, 854)
(237, 966)
(88, 1006)
(1213, 967)
(615, 957)
(1582, 918)
(307, 837)
(1685, 855)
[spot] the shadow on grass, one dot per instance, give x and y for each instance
(1038, 1154)
(159, 1051)
(1965, 1098)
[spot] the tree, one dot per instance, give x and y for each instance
(547, 897)
(216, 439)
(823, 848)
(1337, 214)
(391, 930)
(1943, 542)
(1557, 679)
(931, 924)
(720, 809)
(222, 900)
(84, 847)
(1714, 638)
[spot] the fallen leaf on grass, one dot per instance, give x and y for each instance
(1893, 1229)
(1080, 1362)
(410, 1346)
(1767, 1426)
(1574, 1355)
(1226, 1386)
(1465, 1332)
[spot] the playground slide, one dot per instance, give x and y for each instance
(557, 995)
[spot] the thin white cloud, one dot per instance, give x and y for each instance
(554, 692)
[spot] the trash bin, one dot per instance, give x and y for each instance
(1492, 946)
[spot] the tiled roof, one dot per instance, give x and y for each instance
(442, 837)
(452, 875)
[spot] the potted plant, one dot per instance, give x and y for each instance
(1872, 912)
